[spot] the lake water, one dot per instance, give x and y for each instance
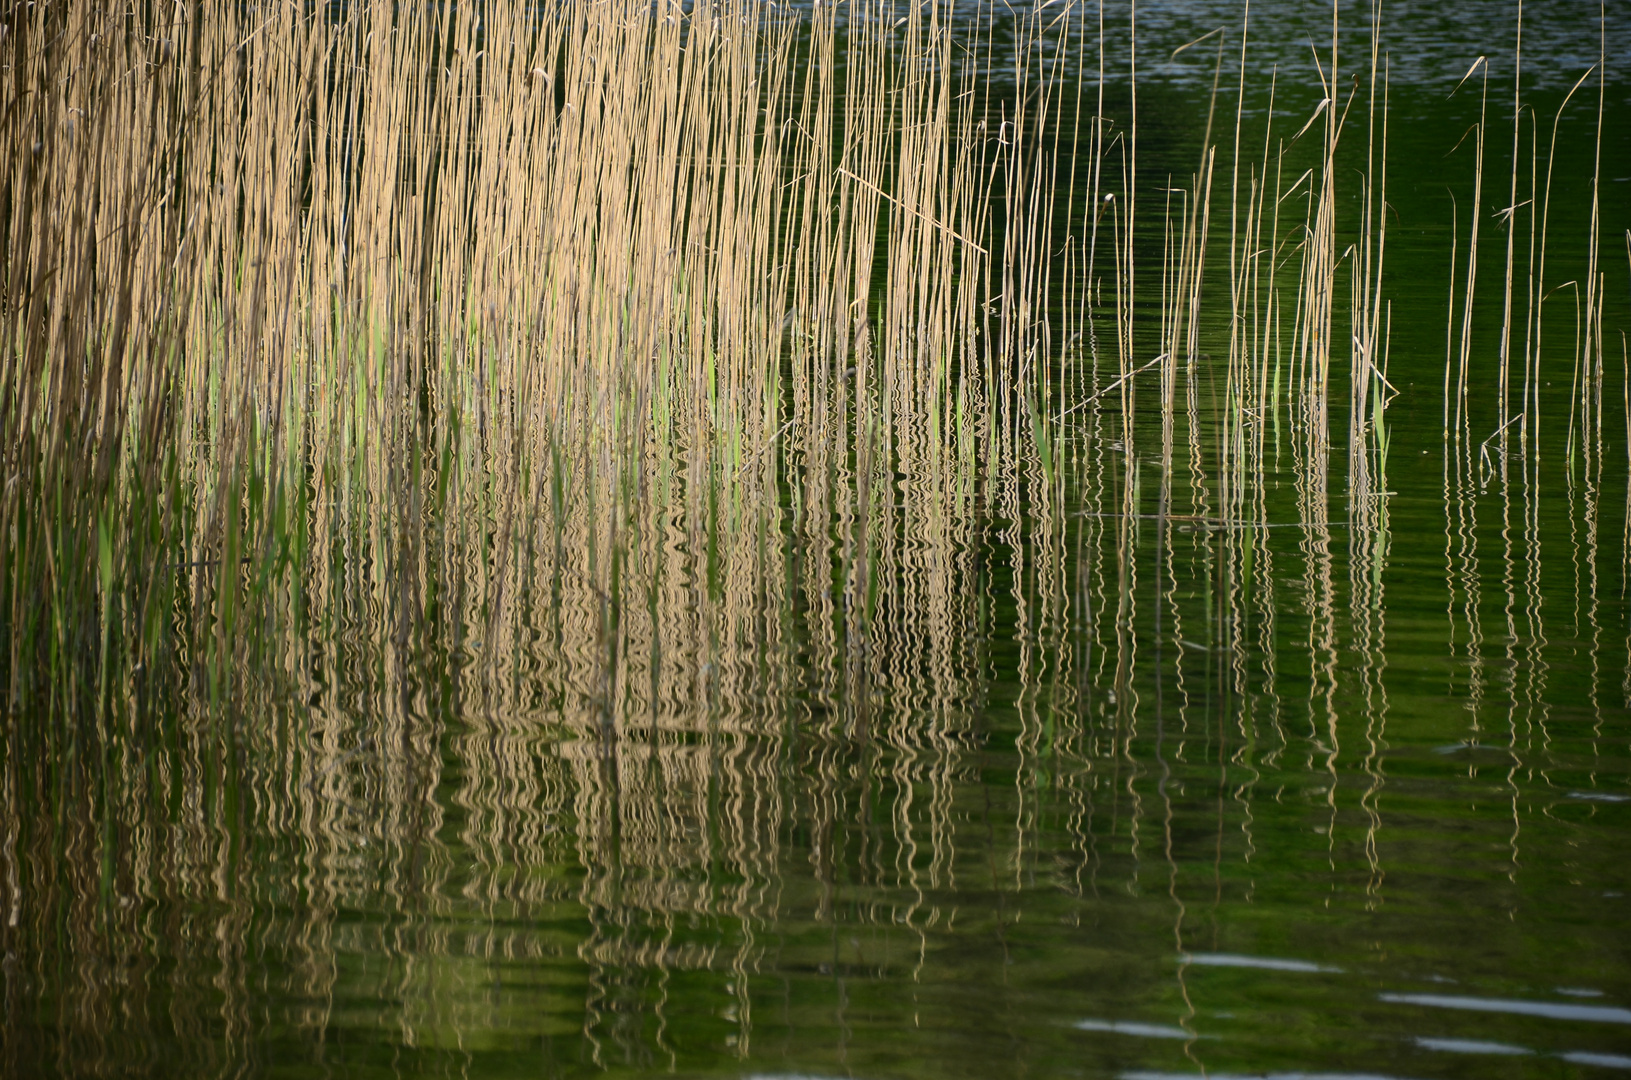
(1151, 762)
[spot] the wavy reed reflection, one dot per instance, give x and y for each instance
(651, 788)
(863, 735)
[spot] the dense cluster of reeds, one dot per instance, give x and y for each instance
(516, 285)
(275, 272)
(384, 385)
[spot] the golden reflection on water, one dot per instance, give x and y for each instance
(487, 760)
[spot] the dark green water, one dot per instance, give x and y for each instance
(1114, 781)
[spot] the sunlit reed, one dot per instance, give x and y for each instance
(405, 456)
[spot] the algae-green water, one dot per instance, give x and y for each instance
(1131, 784)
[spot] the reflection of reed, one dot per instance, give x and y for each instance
(1367, 565)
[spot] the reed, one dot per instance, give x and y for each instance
(394, 262)
(380, 411)
(1509, 216)
(1587, 408)
(433, 257)
(1475, 218)
(427, 257)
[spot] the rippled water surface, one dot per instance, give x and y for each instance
(1119, 764)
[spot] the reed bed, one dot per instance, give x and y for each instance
(371, 268)
(510, 438)
(276, 277)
